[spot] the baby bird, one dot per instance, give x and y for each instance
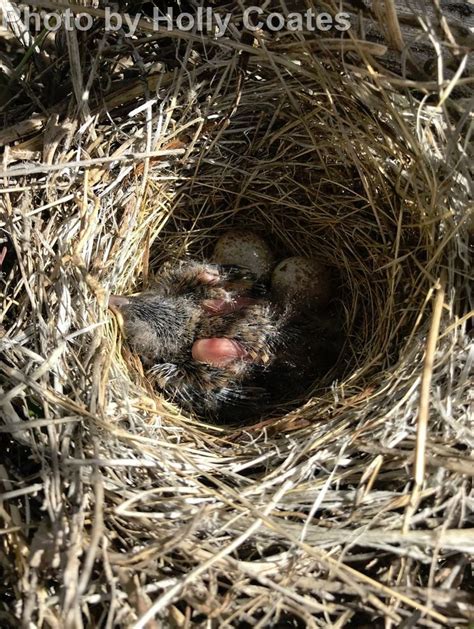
(209, 336)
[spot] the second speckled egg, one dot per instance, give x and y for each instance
(303, 280)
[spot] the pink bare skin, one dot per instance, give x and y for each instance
(218, 352)
(221, 352)
(223, 306)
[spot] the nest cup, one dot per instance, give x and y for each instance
(320, 167)
(351, 507)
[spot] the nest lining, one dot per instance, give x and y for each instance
(140, 511)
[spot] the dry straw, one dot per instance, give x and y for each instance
(351, 509)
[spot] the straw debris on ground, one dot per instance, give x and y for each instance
(353, 508)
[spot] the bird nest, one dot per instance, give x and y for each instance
(122, 153)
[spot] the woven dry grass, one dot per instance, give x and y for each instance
(352, 508)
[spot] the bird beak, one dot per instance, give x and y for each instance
(117, 301)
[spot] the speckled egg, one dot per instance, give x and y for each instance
(301, 279)
(245, 249)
